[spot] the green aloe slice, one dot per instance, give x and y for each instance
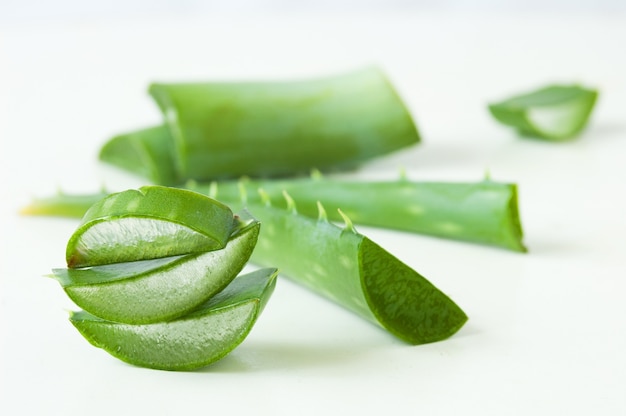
(193, 341)
(351, 270)
(274, 128)
(159, 289)
(554, 113)
(151, 222)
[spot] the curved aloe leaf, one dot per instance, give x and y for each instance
(193, 341)
(151, 222)
(484, 212)
(159, 289)
(554, 113)
(348, 268)
(219, 130)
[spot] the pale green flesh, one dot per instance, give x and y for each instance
(193, 341)
(118, 240)
(164, 292)
(151, 222)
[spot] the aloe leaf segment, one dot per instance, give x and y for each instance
(228, 129)
(484, 212)
(353, 271)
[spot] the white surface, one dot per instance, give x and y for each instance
(547, 330)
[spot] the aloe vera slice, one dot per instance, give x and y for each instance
(351, 270)
(159, 289)
(553, 113)
(193, 341)
(151, 222)
(229, 129)
(484, 212)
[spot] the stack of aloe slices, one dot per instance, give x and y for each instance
(154, 271)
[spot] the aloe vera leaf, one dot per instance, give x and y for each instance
(484, 212)
(229, 129)
(553, 113)
(348, 268)
(160, 289)
(192, 341)
(147, 152)
(151, 222)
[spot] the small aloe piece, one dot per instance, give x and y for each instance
(350, 269)
(159, 289)
(151, 222)
(195, 340)
(484, 212)
(220, 130)
(553, 113)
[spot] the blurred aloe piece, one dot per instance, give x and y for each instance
(217, 130)
(553, 113)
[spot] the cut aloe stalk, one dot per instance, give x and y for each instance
(219, 130)
(484, 212)
(554, 113)
(351, 270)
(193, 341)
(159, 289)
(151, 222)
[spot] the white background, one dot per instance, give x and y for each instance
(547, 330)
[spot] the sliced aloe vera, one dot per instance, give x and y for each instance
(554, 113)
(348, 268)
(193, 341)
(229, 129)
(159, 289)
(151, 222)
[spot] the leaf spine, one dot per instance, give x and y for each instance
(321, 212)
(243, 192)
(213, 190)
(265, 197)
(291, 204)
(316, 174)
(348, 222)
